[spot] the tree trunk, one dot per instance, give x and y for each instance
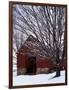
(57, 71)
(57, 64)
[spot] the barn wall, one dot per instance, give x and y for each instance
(21, 64)
(21, 71)
(42, 70)
(21, 61)
(44, 63)
(22, 58)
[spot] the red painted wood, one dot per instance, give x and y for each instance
(23, 62)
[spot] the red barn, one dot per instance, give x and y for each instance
(44, 65)
(31, 60)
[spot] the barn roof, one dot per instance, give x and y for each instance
(34, 46)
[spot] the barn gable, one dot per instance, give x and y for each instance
(32, 45)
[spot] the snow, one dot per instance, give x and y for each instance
(37, 79)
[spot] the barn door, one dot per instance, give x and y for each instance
(31, 69)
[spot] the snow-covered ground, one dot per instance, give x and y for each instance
(37, 79)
